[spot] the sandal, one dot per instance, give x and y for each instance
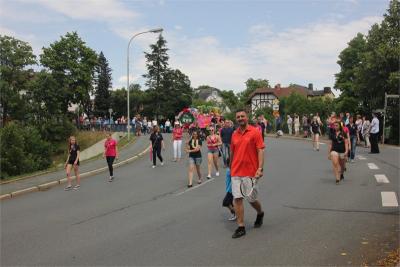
(199, 181)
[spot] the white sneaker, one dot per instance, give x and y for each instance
(162, 163)
(232, 218)
(154, 166)
(217, 174)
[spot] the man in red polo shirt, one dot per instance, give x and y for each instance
(247, 160)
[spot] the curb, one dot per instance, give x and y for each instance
(48, 185)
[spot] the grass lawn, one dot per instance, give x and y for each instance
(85, 139)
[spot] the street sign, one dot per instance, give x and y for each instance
(186, 118)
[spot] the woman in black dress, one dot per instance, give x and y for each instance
(73, 161)
(157, 142)
(338, 150)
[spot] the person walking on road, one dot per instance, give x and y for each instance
(338, 150)
(168, 126)
(374, 134)
(73, 162)
(157, 143)
(228, 199)
(289, 124)
(296, 124)
(353, 131)
(247, 160)
(177, 134)
(193, 147)
(316, 131)
(110, 153)
(226, 135)
(213, 143)
(365, 129)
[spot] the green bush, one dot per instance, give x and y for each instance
(22, 150)
(57, 130)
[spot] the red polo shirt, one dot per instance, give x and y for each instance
(244, 147)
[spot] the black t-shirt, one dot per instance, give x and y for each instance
(226, 135)
(192, 146)
(73, 152)
(338, 144)
(315, 127)
(352, 129)
(156, 139)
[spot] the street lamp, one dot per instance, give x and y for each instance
(127, 76)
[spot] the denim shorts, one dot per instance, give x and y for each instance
(213, 151)
(195, 161)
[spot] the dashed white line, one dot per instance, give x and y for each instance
(381, 178)
(194, 187)
(389, 199)
(362, 158)
(372, 166)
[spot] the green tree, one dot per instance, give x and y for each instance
(25, 151)
(251, 86)
(157, 66)
(102, 101)
(72, 65)
(118, 102)
(230, 100)
(15, 57)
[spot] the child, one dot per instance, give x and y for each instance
(228, 199)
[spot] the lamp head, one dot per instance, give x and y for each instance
(157, 30)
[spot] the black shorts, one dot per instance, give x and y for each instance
(228, 200)
(72, 161)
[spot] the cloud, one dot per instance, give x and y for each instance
(295, 55)
(104, 10)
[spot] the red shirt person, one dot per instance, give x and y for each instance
(110, 153)
(247, 160)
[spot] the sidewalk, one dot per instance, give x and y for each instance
(126, 155)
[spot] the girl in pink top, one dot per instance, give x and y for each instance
(110, 153)
(177, 133)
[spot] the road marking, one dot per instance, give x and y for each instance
(372, 166)
(362, 158)
(381, 178)
(194, 187)
(389, 199)
(322, 143)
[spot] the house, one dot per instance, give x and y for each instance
(264, 97)
(208, 93)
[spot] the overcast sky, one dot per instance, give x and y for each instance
(216, 43)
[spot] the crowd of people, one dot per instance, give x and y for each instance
(241, 147)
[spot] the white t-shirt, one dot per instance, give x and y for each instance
(374, 126)
(167, 123)
(154, 123)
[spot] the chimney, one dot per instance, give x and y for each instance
(310, 87)
(278, 86)
(327, 90)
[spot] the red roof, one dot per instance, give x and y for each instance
(282, 91)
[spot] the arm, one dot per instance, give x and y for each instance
(78, 153)
(66, 162)
(329, 150)
(117, 152)
(259, 172)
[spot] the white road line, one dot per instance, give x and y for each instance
(381, 178)
(389, 199)
(362, 158)
(372, 166)
(194, 187)
(322, 143)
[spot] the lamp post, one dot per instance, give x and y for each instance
(127, 76)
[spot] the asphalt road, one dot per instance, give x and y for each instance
(148, 217)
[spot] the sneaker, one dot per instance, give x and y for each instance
(352, 161)
(162, 163)
(111, 179)
(239, 232)
(68, 188)
(233, 217)
(208, 177)
(154, 166)
(76, 187)
(217, 174)
(259, 220)
(342, 177)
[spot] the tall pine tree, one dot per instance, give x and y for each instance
(102, 100)
(157, 67)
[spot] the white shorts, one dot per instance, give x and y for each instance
(340, 155)
(245, 187)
